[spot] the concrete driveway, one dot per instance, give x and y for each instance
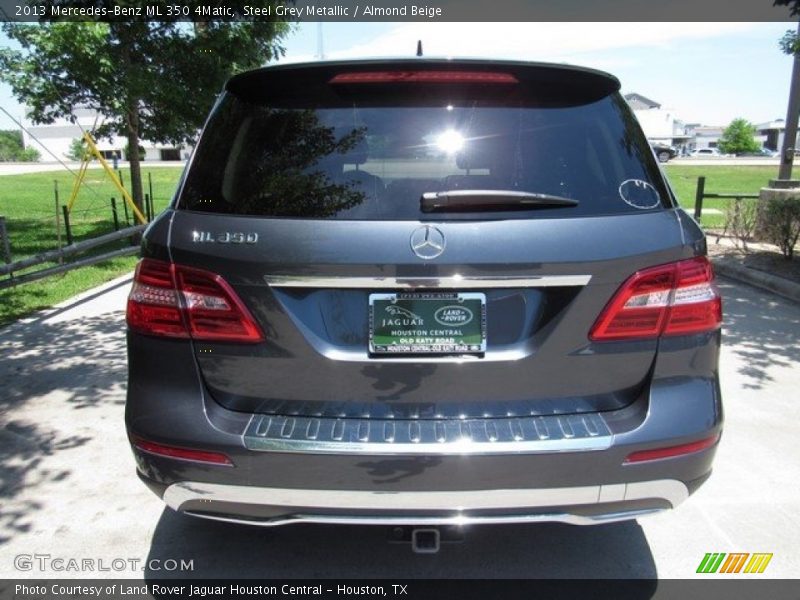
(69, 490)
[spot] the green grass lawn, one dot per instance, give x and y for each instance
(27, 202)
(745, 179)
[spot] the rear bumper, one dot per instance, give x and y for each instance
(587, 505)
(547, 468)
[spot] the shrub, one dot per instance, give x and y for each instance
(29, 155)
(741, 218)
(77, 150)
(779, 222)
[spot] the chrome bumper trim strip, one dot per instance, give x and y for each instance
(461, 282)
(305, 501)
(512, 435)
(459, 521)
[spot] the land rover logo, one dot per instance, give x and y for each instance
(452, 316)
(427, 242)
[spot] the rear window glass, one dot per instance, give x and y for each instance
(374, 160)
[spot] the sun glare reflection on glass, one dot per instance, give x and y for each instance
(450, 141)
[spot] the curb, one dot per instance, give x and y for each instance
(733, 269)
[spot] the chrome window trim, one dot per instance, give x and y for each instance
(461, 282)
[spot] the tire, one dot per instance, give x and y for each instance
(663, 156)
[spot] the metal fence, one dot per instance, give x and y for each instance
(5, 245)
(53, 235)
(701, 194)
(10, 268)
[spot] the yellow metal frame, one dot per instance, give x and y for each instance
(93, 152)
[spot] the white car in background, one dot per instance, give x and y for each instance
(705, 152)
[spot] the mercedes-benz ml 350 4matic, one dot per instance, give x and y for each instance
(423, 291)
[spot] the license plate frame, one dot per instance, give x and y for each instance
(432, 323)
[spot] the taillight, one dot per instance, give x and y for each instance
(674, 299)
(153, 305)
(424, 77)
(176, 301)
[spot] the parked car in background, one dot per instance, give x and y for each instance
(762, 153)
(705, 152)
(664, 152)
(518, 325)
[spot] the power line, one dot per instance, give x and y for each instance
(46, 149)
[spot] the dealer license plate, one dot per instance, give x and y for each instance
(427, 323)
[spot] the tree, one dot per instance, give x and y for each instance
(12, 149)
(738, 137)
(790, 42)
(10, 145)
(126, 151)
(77, 150)
(794, 6)
(150, 80)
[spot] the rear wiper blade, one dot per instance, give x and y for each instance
(454, 200)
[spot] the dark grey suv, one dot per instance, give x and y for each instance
(423, 291)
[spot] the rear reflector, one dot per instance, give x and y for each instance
(672, 451)
(175, 301)
(203, 456)
(424, 77)
(674, 299)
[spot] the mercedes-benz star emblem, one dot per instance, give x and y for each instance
(427, 242)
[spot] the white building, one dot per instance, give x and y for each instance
(56, 138)
(772, 133)
(705, 136)
(660, 124)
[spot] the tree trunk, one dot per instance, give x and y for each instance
(133, 158)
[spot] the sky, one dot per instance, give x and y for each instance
(707, 73)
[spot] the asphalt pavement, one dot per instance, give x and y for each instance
(68, 489)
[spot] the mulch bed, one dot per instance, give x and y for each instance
(761, 259)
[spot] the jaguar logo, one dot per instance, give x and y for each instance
(224, 237)
(403, 312)
(402, 317)
(453, 315)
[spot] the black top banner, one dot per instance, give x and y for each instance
(394, 11)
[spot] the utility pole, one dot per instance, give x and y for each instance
(784, 189)
(320, 44)
(792, 114)
(22, 133)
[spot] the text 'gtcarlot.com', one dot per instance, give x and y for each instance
(48, 562)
